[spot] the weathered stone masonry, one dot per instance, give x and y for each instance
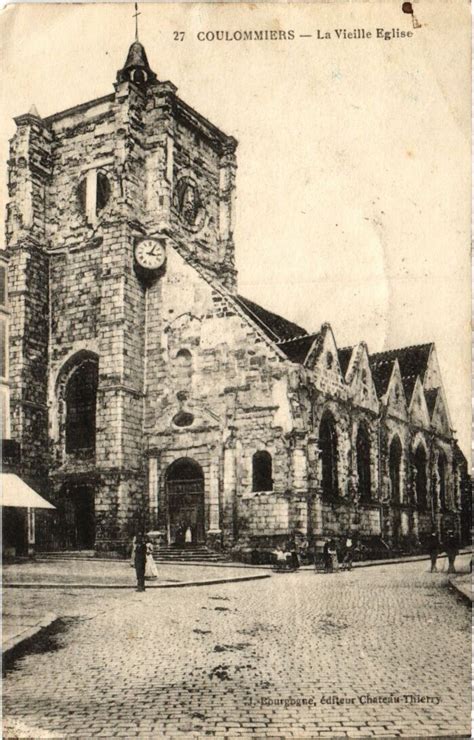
(170, 401)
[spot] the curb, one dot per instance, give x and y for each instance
(130, 586)
(9, 645)
(463, 592)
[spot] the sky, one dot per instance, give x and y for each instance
(353, 181)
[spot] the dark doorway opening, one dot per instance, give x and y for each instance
(78, 518)
(14, 530)
(185, 492)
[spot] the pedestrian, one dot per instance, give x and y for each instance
(327, 556)
(280, 556)
(132, 556)
(140, 561)
(295, 561)
(452, 549)
(294, 558)
(332, 551)
(151, 571)
(433, 549)
(349, 554)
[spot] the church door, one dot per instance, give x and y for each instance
(78, 520)
(185, 493)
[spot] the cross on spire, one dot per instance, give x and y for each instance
(135, 15)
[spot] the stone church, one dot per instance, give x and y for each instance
(145, 391)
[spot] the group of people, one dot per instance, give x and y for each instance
(142, 560)
(331, 556)
(287, 558)
(450, 546)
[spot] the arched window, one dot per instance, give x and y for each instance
(328, 448)
(363, 463)
(93, 193)
(421, 481)
(395, 462)
(184, 358)
(262, 471)
(442, 479)
(103, 191)
(81, 397)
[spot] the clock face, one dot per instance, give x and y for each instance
(150, 253)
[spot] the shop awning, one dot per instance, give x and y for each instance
(15, 492)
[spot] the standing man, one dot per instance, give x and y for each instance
(452, 549)
(140, 561)
(433, 549)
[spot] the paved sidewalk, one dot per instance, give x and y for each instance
(20, 627)
(115, 574)
(463, 585)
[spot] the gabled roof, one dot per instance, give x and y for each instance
(381, 373)
(412, 361)
(297, 349)
(431, 397)
(344, 355)
(274, 326)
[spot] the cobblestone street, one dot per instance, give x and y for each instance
(297, 655)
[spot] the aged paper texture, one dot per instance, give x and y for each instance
(235, 369)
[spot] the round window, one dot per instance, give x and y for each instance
(183, 419)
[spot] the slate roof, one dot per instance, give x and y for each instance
(136, 56)
(274, 326)
(344, 355)
(431, 397)
(381, 373)
(297, 349)
(412, 360)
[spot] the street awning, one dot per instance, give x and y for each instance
(15, 492)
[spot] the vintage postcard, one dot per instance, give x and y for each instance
(235, 370)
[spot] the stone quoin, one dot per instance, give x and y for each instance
(146, 392)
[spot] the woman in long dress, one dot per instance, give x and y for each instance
(132, 556)
(151, 570)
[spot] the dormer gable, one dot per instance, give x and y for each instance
(440, 418)
(395, 397)
(323, 360)
(418, 409)
(359, 379)
(432, 375)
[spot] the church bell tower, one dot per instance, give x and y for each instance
(87, 185)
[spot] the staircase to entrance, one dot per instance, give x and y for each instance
(187, 554)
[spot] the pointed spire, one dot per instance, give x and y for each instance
(34, 111)
(136, 68)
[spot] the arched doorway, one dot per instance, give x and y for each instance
(185, 493)
(363, 463)
(328, 449)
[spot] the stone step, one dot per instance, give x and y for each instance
(193, 553)
(65, 554)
